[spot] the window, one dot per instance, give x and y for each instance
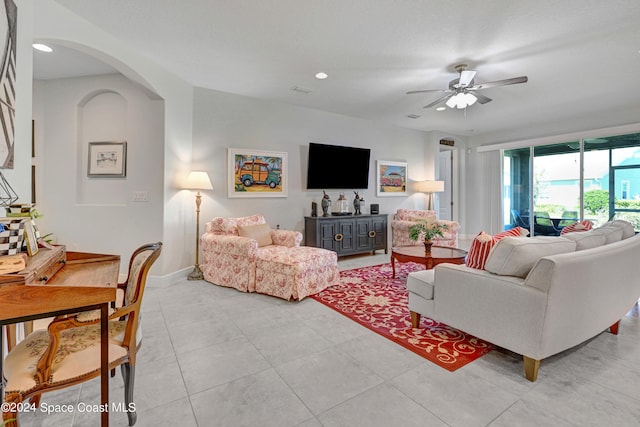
(547, 187)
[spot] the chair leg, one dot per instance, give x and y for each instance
(128, 374)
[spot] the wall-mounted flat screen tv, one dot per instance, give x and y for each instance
(337, 167)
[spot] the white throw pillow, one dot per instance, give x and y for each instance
(515, 256)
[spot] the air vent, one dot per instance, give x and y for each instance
(301, 89)
(413, 116)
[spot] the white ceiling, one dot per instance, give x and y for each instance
(581, 56)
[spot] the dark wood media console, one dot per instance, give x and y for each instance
(347, 235)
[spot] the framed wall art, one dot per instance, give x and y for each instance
(107, 160)
(8, 31)
(255, 173)
(391, 178)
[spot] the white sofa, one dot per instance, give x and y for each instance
(538, 296)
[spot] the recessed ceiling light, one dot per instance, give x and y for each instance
(440, 109)
(321, 76)
(42, 47)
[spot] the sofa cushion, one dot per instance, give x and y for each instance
(259, 232)
(585, 225)
(421, 283)
(611, 233)
(513, 256)
(626, 227)
(482, 244)
(586, 240)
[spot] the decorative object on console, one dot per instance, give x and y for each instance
(326, 202)
(430, 187)
(343, 205)
(107, 160)
(198, 180)
(30, 238)
(391, 178)
(7, 194)
(314, 209)
(253, 173)
(374, 209)
(357, 203)
(12, 234)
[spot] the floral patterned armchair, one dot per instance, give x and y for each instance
(405, 218)
(245, 254)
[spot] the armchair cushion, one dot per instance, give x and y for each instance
(259, 232)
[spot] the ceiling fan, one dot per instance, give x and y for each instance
(463, 92)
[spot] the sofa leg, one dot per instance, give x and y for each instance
(614, 328)
(531, 367)
(415, 319)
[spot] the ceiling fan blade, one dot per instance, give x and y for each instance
(512, 81)
(439, 100)
(427, 91)
(481, 98)
(466, 77)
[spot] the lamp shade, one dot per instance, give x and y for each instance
(198, 180)
(430, 186)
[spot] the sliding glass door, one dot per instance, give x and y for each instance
(547, 187)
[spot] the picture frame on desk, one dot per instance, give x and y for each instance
(107, 160)
(30, 238)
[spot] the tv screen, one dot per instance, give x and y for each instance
(337, 167)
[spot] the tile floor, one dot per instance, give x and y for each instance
(213, 356)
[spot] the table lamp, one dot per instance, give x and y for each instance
(430, 187)
(198, 180)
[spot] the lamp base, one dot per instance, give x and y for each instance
(196, 274)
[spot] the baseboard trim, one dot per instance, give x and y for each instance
(166, 280)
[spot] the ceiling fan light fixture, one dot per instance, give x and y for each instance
(469, 98)
(461, 100)
(452, 102)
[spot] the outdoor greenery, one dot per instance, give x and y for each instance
(596, 201)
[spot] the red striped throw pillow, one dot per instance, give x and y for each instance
(482, 244)
(585, 225)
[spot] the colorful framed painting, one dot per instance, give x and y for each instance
(107, 160)
(391, 178)
(255, 173)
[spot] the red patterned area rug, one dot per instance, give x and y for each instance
(372, 298)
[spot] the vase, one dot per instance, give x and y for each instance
(427, 247)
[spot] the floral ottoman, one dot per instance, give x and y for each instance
(295, 272)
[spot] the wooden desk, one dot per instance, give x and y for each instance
(54, 284)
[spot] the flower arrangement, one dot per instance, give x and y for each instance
(427, 228)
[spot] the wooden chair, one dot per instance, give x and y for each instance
(68, 353)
